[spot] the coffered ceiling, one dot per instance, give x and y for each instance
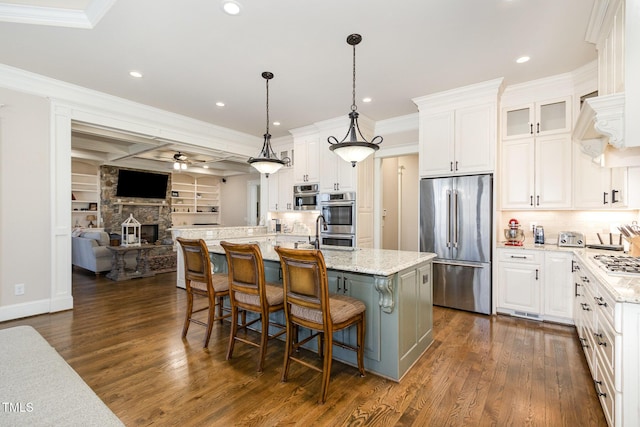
(193, 55)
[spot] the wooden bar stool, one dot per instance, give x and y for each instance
(249, 291)
(200, 281)
(307, 303)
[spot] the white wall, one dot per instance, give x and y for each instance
(233, 199)
(25, 199)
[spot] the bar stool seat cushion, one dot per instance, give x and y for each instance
(274, 292)
(342, 308)
(220, 284)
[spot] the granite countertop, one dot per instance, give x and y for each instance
(379, 262)
(622, 288)
(537, 247)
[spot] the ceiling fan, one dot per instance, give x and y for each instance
(181, 161)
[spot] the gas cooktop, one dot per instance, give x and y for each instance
(619, 265)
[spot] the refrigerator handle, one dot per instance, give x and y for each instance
(448, 218)
(455, 219)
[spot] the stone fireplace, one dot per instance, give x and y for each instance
(153, 214)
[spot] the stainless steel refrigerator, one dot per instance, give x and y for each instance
(455, 223)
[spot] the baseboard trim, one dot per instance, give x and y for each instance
(33, 308)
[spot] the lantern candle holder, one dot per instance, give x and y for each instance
(131, 232)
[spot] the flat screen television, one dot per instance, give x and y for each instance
(147, 185)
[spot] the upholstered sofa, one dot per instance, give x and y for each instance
(89, 251)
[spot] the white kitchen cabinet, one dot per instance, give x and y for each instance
(458, 130)
(535, 284)
(537, 119)
(536, 173)
(459, 141)
(602, 344)
(597, 187)
(337, 174)
(285, 189)
(280, 190)
(306, 167)
(558, 286)
(520, 282)
(273, 191)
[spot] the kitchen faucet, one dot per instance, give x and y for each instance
(316, 243)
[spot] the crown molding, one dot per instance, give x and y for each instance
(59, 17)
(97, 108)
(398, 124)
(484, 92)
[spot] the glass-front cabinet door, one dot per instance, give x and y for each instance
(537, 119)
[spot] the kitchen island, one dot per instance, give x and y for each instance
(396, 287)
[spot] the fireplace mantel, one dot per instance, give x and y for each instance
(160, 205)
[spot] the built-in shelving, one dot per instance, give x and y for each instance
(85, 195)
(195, 199)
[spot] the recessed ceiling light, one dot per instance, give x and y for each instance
(136, 74)
(231, 7)
(220, 104)
(367, 99)
(205, 166)
(276, 123)
(522, 59)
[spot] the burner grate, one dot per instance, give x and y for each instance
(621, 265)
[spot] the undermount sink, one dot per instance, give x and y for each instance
(305, 245)
(339, 248)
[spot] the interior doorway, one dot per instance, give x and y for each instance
(400, 203)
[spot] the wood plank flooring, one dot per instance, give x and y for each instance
(123, 338)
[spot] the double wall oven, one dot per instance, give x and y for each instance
(339, 211)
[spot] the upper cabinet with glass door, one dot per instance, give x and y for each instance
(537, 119)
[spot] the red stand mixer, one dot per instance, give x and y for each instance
(514, 234)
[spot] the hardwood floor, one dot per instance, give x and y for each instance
(123, 338)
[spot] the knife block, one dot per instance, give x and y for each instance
(634, 246)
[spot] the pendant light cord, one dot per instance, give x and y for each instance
(354, 107)
(268, 105)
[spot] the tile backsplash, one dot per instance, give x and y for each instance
(588, 222)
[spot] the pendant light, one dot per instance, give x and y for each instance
(354, 147)
(267, 162)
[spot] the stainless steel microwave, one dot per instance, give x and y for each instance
(306, 197)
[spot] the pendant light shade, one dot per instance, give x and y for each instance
(354, 147)
(267, 162)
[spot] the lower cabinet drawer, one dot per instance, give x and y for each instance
(605, 391)
(604, 337)
(521, 256)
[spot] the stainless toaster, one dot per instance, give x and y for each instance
(571, 239)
